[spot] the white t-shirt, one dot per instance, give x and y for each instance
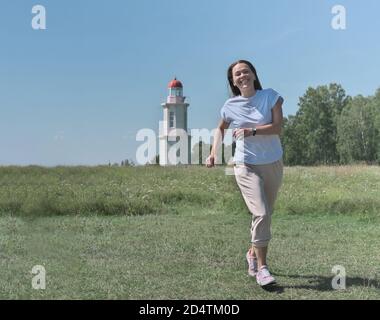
(250, 112)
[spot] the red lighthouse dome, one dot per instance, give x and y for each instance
(175, 84)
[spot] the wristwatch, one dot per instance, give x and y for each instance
(254, 131)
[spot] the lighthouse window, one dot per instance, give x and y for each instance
(171, 119)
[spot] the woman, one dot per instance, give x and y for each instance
(256, 116)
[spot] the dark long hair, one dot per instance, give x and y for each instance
(235, 90)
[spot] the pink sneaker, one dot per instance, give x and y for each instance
(252, 264)
(264, 278)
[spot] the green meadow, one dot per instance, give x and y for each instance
(182, 233)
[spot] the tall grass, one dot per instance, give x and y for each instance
(38, 191)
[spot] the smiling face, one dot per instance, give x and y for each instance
(243, 77)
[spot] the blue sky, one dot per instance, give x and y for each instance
(78, 92)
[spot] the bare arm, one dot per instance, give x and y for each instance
(218, 138)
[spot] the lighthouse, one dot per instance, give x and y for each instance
(174, 140)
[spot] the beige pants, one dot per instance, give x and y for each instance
(259, 185)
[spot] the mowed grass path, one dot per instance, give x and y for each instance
(194, 245)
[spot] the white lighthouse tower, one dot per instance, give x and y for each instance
(174, 140)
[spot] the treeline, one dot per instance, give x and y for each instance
(331, 127)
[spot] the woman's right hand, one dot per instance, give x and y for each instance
(210, 161)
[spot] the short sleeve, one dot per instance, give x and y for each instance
(273, 98)
(224, 113)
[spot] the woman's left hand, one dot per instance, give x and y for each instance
(239, 133)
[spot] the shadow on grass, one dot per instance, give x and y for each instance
(321, 283)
